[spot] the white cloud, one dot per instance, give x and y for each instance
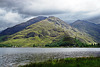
(12, 17)
(9, 18)
(62, 5)
(2, 12)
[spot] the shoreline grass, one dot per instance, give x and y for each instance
(68, 62)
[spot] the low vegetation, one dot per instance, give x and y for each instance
(37, 42)
(2, 38)
(68, 62)
(67, 42)
(71, 42)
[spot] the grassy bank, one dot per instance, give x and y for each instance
(68, 62)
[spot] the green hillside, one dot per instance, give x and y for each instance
(44, 32)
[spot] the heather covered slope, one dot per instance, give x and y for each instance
(44, 32)
(90, 28)
(21, 26)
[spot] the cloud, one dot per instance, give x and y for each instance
(16, 11)
(48, 7)
(9, 18)
(12, 17)
(2, 12)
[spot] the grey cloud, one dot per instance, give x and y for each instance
(27, 8)
(4, 25)
(50, 7)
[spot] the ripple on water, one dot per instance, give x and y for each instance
(36, 55)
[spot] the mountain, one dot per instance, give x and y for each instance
(99, 25)
(90, 28)
(46, 31)
(95, 20)
(21, 26)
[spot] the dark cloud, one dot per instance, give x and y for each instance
(50, 7)
(29, 7)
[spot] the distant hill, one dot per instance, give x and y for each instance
(46, 31)
(95, 20)
(89, 28)
(21, 26)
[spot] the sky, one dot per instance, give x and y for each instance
(13, 12)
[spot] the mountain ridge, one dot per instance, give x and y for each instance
(21, 26)
(90, 28)
(95, 20)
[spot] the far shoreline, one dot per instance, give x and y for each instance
(49, 47)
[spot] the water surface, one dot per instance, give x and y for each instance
(12, 57)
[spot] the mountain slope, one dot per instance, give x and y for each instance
(89, 28)
(21, 26)
(43, 32)
(95, 20)
(72, 32)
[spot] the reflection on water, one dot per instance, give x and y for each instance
(11, 57)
